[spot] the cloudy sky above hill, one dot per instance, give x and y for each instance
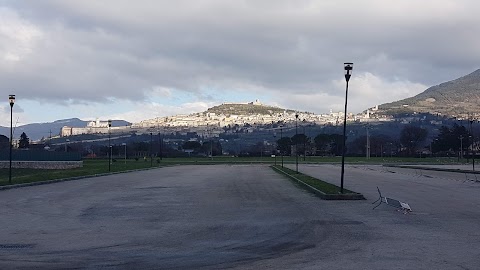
(135, 60)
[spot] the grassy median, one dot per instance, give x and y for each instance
(318, 184)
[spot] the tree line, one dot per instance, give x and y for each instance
(412, 141)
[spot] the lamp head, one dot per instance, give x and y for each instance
(348, 67)
(11, 99)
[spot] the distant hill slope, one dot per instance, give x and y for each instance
(246, 109)
(459, 97)
(36, 131)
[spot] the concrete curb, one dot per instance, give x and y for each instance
(432, 169)
(72, 178)
(321, 194)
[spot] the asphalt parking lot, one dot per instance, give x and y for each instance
(241, 217)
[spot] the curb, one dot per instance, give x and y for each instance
(321, 194)
(71, 178)
(432, 169)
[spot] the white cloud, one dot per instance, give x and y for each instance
(153, 110)
(365, 90)
(368, 90)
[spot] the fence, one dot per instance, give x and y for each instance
(39, 155)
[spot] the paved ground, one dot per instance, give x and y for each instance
(241, 216)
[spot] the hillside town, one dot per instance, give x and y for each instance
(211, 124)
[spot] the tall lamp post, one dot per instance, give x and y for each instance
(304, 142)
(368, 143)
(151, 149)
(348, 70)
(109, 146)
(296, 141)
(431, 149)
(211, 145)
(281, 137)
(472, 144)
(11, 99)
(160, 142)
(276, 146)
(125, 153)
(66, 145)
(461, 147)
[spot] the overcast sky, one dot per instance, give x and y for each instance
(136, 60)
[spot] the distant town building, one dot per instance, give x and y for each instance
(211, 124)
(97, 124)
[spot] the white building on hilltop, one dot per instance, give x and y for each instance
(97, 124)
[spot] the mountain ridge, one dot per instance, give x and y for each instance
(456, 98)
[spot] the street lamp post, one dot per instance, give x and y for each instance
(461, 146)
(160, 144)
(151, 149)
(391, 150)
(11, 99)
(431, 149)
(368, 143)
(281, 137)
(66, 145)
(125, 153)
(109, 146)
(276, 145)
(111, 154)
(304, 142)
(211, 148)
(471, 147)
(296, 141)
(348, 69)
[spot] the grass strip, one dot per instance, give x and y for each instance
(323, 186)
(325, 190)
